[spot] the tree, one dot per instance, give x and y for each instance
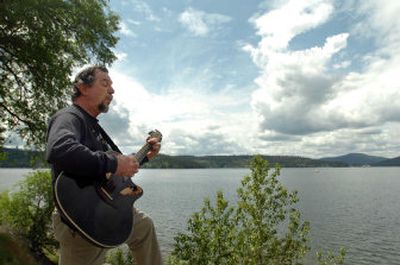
(41, 41)
(27, 212)
(263, 228)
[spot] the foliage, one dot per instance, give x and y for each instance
(41, 41)
(27, 211)
(212, 236)
(18, 158)
(330, 258)
(263, 227)
(119, 256)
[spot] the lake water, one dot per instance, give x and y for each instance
(357, 208)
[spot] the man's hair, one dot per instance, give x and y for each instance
(87, 77)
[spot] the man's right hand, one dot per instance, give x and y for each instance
(127, 166)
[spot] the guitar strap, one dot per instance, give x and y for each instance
(107, 138)
(113, 146)
(77, 110)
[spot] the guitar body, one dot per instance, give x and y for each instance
(100, 211)
(100, 214)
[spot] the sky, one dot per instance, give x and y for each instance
(311, 78)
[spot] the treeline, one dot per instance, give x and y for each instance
(166, 161)
(19, 158)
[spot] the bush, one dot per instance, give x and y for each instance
(27, 211)
(263, 228)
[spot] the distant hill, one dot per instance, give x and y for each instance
(394, 162)
(356, 159)
(243, 161)
(19, 158)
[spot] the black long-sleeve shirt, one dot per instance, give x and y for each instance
(76, 146)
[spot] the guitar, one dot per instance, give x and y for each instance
(100, 211)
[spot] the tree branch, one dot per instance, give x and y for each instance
(30, 124)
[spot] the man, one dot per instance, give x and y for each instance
(75, 144)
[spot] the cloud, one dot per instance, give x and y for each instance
(200, 23)
(280, 25)
(124, 29)
(209, 142)
(116, 123)
(121, 56)
(326, 83)
(300, 93)
(380, 22)
(144, 8)
(192, 120)
(304, 104)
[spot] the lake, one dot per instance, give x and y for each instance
(357, 208)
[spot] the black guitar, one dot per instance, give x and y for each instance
(100, 211)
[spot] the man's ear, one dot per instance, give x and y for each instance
(83, 88)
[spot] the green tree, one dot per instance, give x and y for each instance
(41, 41)
(263, 228)
(212, 236)
(27, 212)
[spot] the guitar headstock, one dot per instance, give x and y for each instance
(156, 134)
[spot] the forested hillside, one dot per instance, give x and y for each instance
(18, 158)
(165, 161)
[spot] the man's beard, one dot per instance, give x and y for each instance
(103, 107)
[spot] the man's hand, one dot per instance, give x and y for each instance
(155, 147)
(127, 166)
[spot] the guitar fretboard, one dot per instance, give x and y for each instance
(141, 154)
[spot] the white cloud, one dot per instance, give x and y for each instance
(299, 92)
(191, 120)
(381, 22)
(121, 56)
(323, 99)
(144, 8)
(134, 22)
(201, 23)
(124, 29)
(342, 65)
(280, 25)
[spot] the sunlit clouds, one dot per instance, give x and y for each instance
(312, 78)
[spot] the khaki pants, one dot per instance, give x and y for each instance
(75, 250)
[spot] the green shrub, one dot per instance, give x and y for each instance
(27, 211)
(263, 228)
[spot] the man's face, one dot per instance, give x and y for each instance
(101, 91)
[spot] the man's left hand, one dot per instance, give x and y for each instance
(155, 147)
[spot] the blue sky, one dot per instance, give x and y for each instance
(312, 78)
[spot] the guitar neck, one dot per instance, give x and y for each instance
(141, 154)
